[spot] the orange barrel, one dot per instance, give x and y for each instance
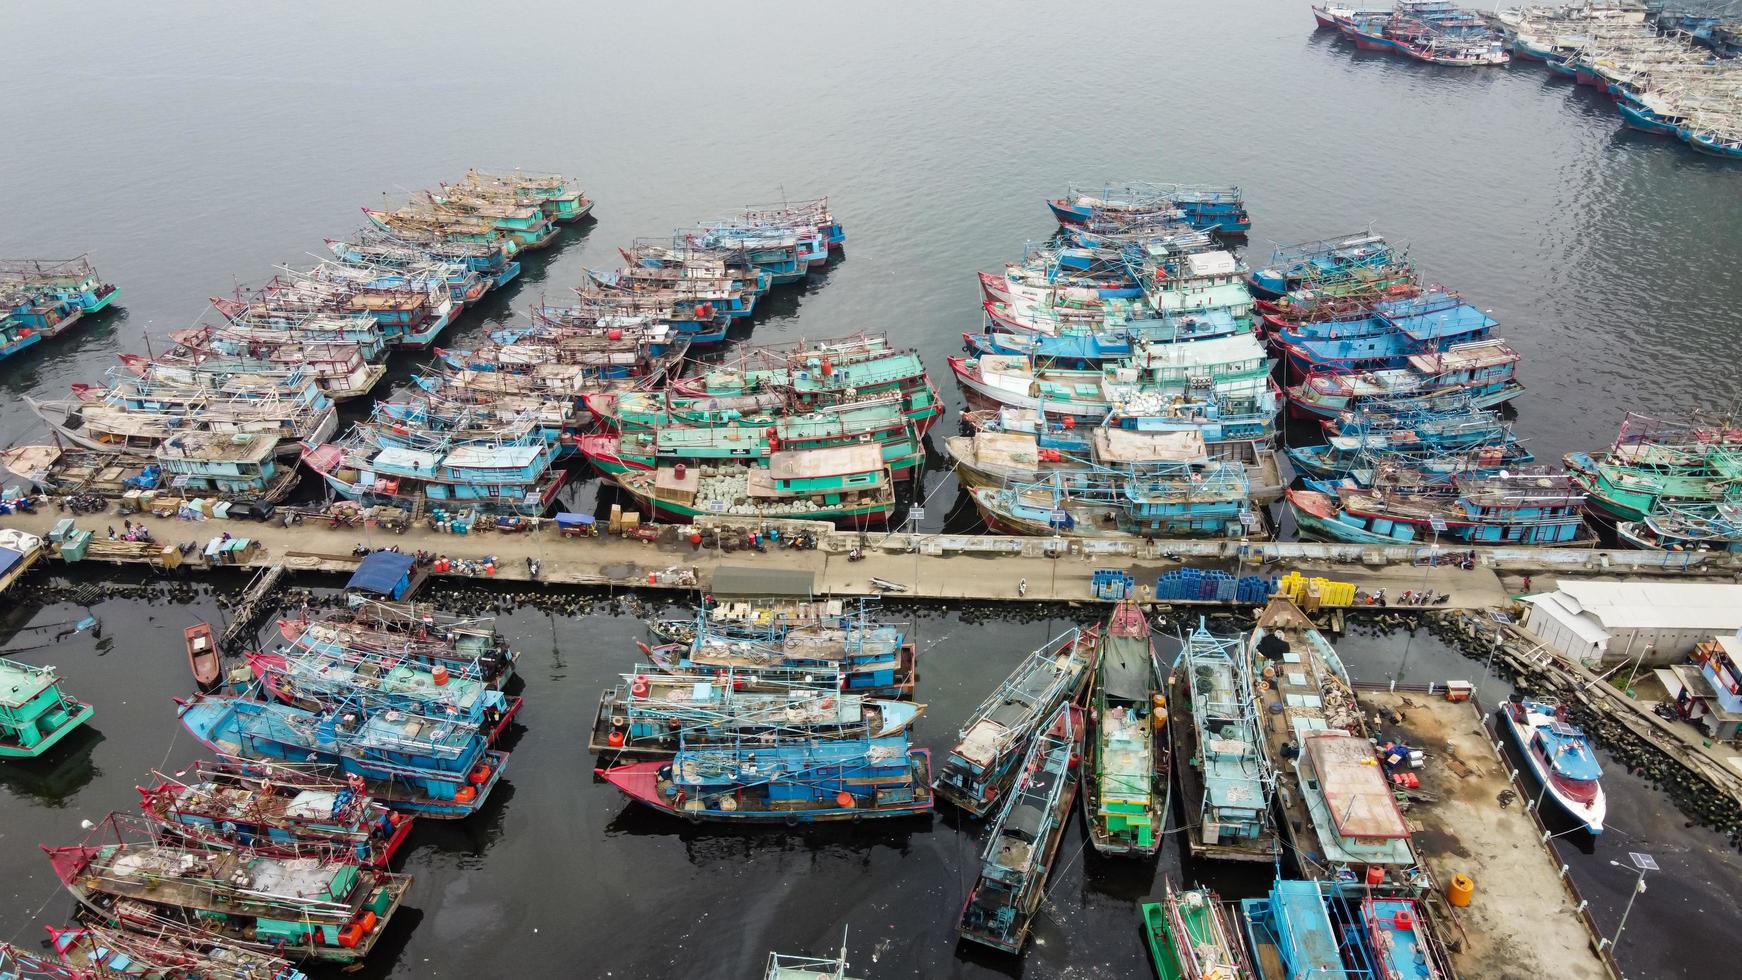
(440, 674)
(1461, 889)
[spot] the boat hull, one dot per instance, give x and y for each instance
(1590, 815)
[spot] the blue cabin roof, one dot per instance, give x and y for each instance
(1435, 315)
(385, 573)
(1569, 753)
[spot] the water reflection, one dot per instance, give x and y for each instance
(56, 777)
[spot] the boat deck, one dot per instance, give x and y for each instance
(1522, 920)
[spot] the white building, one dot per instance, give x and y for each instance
(1603, 623)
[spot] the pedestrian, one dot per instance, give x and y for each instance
(1527, 583)
(111, 532)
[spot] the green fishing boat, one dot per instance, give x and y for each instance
(34, 712)
(880, 423)
(1125, 789)
(1655, 463)
(1191, 937)
(848, 485)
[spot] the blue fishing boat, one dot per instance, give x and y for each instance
(1153, 500)
(513, 478)
(652, 713)
(1535, 506)
(1022, 842)
(1560, 756)
(321, 678)
(40, 299)
(413, 763)
(874, 658)
(1203, 207)
(983, 763)
(1433, 321)
(142, 950)
(1326, 929)
(466, 646)
(1485, 370)
(790, 782)
(1224, 773)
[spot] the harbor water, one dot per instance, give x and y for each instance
(559, 876)
(190, 147)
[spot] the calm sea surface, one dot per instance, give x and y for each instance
(191, 147)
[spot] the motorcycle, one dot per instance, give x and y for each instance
(857, 554)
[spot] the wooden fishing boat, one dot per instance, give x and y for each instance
(653, 713)
(982, 765)
(203, 657)
(311, 907)
(1224, 773)
(1191, 936)
(784, 782)
(274, 809)
(157, 950)
(1126, 783)
(1024, 840)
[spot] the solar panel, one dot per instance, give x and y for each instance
(1643, 862)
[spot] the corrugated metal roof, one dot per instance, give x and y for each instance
(1668, 605)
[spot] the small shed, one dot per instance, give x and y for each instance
(384, 573)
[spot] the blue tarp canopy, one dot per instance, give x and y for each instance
(383, 573)
(566, 519)
(9, 558)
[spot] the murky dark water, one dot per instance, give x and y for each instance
(559, 876)
(189, 148)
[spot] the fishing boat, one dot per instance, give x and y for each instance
(426, 766)
(515, 478)
(1560, 755)
(1335, 799)
(1191, 936)
(1022, 842)
(202, 651)
(820, 374)
(559, 197)
(408, 631)
(1339, 929)
(872, 659)
(1204, 207)
(1209, 501)
(850, 486)
(1535, 506)
(1127, 783)
(787, 966)
(205, 357)
(1044, 442)
(64, 471)
(1659, 462)
(41, 299)
(791, 782)
(880, 421)
(1687, 527)
(1223, 771)
(35, 713)
(652, 713)
(1309, 264)
(322, 679)
(309, 907)
(156, 949)
(274, 809)
(113, 425)
(983, 763)
(1485, 370)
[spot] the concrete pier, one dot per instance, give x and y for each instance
(1525, 918)
(925, 566)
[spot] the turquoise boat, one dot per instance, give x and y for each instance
(40, 299)
(35, 714)
(1218, 747)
